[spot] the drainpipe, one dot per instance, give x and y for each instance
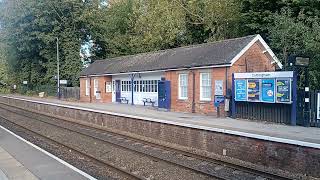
(90, 89)
(193, 92)
(226, 79)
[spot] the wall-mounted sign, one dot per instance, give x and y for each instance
(268, 90)
(318, 106)
(262, 75)
(240, 90)
(62, 81)
(253, 90)
(283, 90)
(218, 100)
(218, 90)
(108, 87)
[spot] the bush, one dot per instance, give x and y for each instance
(31, 93)
(4, 90)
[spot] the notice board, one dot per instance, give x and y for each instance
(268, 90)
(253, 90)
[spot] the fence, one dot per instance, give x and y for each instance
(70, 93)
(49, 90)
(313, 121)
(271, 112)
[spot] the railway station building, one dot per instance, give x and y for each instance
(184, 79)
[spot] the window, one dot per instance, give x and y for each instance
(183, 86)
(145, 86)
(126, 86)
(96, 87)
(205, 86)
(87, 87)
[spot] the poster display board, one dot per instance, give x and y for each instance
(241, 90)
(268, 90)
(253, 90)
(270, 87)
(218, 90)
(108, 87)
(283, 90)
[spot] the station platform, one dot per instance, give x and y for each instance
(21, 160)
(296, 135)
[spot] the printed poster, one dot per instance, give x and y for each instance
(253, 90)
(268, 90)
(283, 90)
(240, 90)
(218, 90)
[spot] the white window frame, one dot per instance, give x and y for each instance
(202, 87)
(95, 86)
(185, 86)
(87, 87)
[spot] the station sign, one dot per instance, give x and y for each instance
(63, 81)
(269, 87)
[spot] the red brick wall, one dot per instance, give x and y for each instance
(254, 60)
(105, 96)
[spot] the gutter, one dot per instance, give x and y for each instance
(165, 70)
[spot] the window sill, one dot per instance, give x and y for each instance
(205, 100)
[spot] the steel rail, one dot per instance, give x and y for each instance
(127, 174)
(248, 170)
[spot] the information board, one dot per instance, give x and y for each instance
(241, 90)
(218, 90)
(283, 90)
(253, 90)
(108, 87)
(268, 90)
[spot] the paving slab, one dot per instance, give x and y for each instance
(309, 135)
(21, 161)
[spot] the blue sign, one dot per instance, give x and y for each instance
(218, 100)
(254, 90)
(283, 91)
(241, 90)
(268, 90)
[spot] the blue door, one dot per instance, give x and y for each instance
(164, 94)
(118, 90)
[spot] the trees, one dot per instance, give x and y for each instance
(29, 29)
(297, 35)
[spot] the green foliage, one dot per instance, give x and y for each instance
(298, 35)
(29, 29)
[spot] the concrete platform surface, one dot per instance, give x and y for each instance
(308, 136)
(21, 161)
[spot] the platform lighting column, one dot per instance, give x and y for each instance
(58, 70)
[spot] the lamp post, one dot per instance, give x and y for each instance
(58, 70)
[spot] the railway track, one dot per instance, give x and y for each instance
(211, 167)
(125, 174)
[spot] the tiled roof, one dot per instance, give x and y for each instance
(208, 54)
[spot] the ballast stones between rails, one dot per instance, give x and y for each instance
(207, 167)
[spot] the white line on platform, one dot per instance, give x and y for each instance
(50, 155)
(219, 130)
